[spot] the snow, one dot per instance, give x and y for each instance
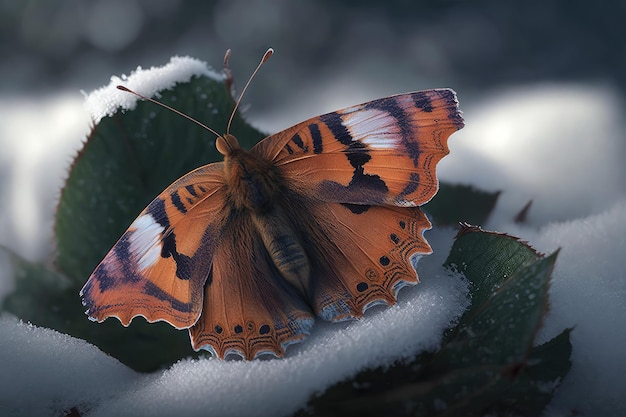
(39, 137)
(45, 372)
(588, 293)
(106, 100)
(559, 145)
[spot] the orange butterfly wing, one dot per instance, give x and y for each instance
(381, 152)
(361, 173)
(366, 258)
(160, 264)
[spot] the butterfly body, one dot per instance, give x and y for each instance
(254, 187)
(321, 219)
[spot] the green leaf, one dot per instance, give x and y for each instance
(501, 329)
(40, 294)
(487, 364)
(487, 259)
(129, 159)
(535, 384)
(460, 203)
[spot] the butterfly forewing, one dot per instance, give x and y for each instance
(158, 267)
(381, 152)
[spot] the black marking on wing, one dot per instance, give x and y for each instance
(297, 139)
(412, 185)
(356, 208)
(153, 290)
(191, 190)
(362, 186)
(176, 201)
(316, 136)
(423, 101)
(156, 209)
(335, 124)
(183, 262)
(105, 281)
(125, 259)
(453, 112)
(86, 295)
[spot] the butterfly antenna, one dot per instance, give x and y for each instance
(266, 56)
(228, 75)
(128, 90)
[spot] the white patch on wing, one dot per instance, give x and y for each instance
(376, 128)
(401, 202)
(145, 241)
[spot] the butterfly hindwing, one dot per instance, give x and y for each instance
(372, 252)
(359, 256)
(249, 309)
(158, 267)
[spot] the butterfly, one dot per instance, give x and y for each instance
(319, 220)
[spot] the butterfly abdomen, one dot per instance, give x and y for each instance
(284, 248)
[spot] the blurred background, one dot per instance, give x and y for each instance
(539, 69)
